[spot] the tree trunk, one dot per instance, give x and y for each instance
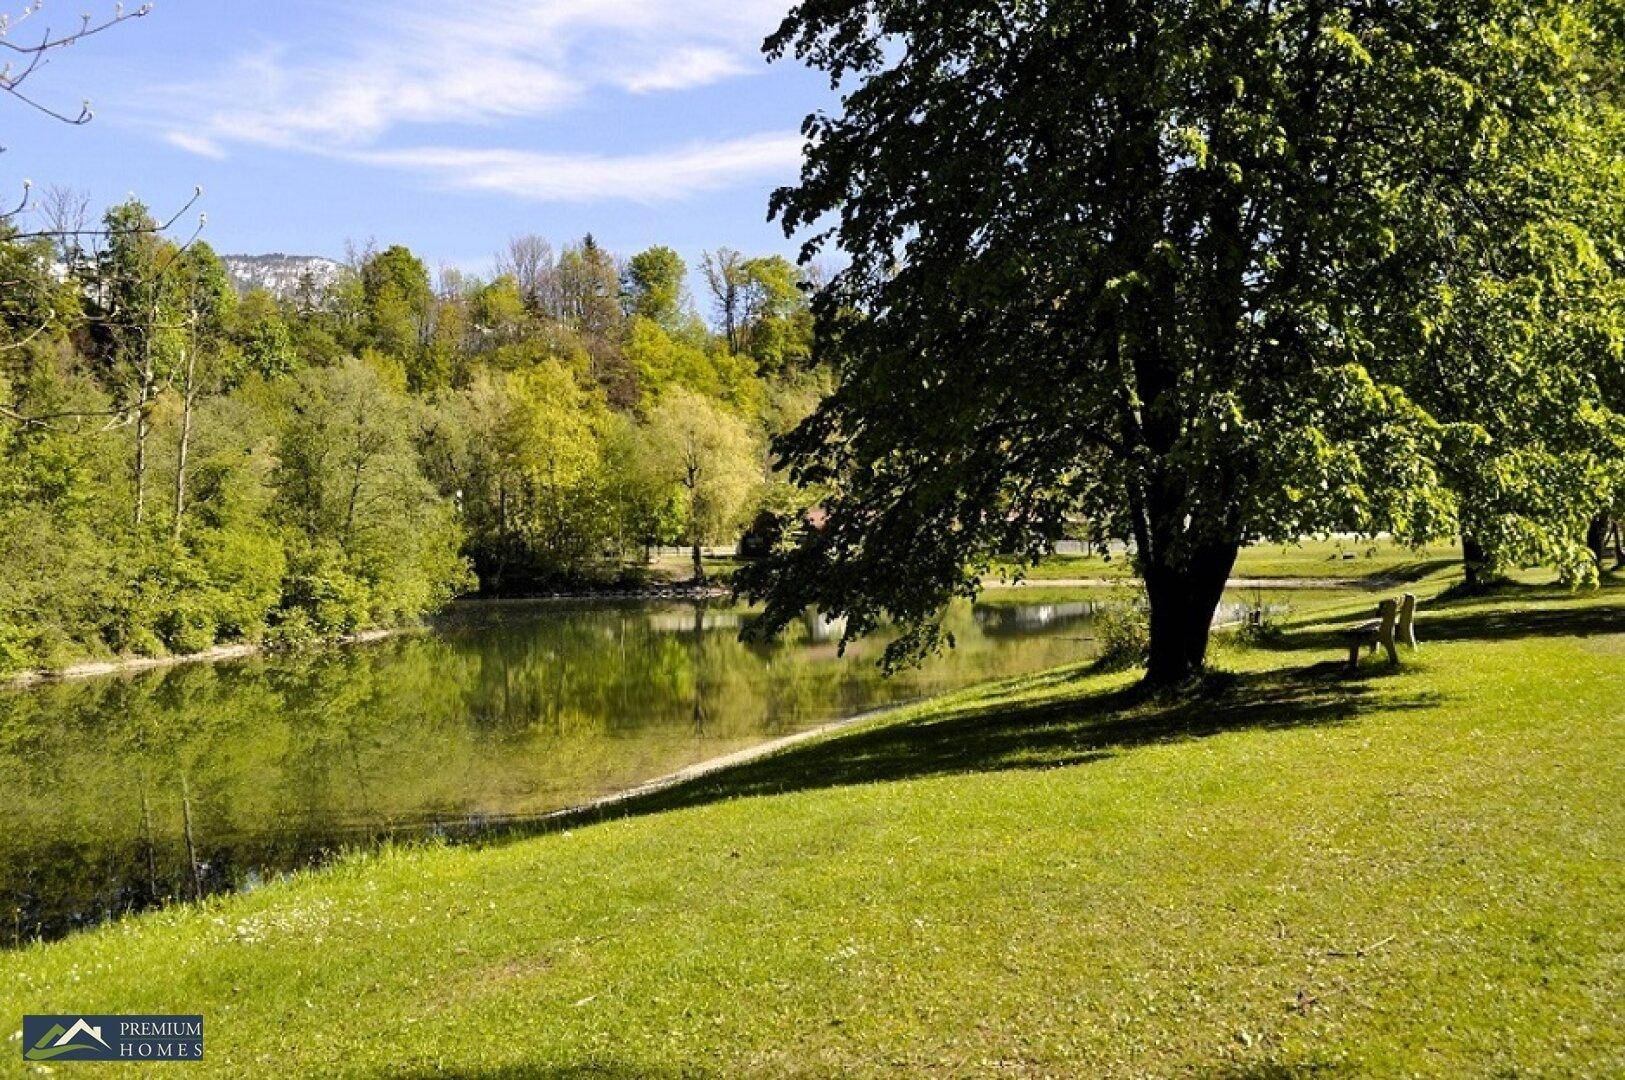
(1597, 537)
(1476, 562)
(141, 459)
(699, 567)
(1183, 596)
(185, 444)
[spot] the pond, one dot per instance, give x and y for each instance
(122, 792)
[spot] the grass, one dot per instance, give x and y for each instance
(1307, 559)
(1412, 871)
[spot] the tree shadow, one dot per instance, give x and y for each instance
(1404, 573)
(1482, 615)
(990, 735)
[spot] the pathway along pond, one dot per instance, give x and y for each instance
(123, 792)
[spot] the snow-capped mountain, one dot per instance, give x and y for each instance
(280, 275)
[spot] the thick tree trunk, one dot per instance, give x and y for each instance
(1183, 596)
(1477, 564)
(699, 567)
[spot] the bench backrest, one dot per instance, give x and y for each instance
(1387, 610)
(1407, 619)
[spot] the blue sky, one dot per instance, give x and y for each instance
(445, 126)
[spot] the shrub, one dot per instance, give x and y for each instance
(1123, 631)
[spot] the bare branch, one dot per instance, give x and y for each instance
(37, 53)
(59, 233)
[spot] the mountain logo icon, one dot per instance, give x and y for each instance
(60, 1041)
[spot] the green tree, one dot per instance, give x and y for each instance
(776, 319)
(711, 456)
(398, 305)
(376, 543)
(661, 360)
(261, 335)
(654, 287)
(1138, 267)
(138, 326)
(498, 315)
(519, 452)
(204, 365)
(1512, 342)
(646, 508)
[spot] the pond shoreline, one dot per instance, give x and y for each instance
(91, 669)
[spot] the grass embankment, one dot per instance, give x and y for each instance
(1413, 871)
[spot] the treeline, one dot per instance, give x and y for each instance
(181, 466)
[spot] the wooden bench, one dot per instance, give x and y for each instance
(1395, 621)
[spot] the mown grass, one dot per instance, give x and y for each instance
(1412, 871)
(1348, 559)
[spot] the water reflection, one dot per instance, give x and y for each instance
(120, 793)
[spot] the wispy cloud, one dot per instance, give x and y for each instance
(657, 176)
(414, 64)
(686, 67)
(195, 144)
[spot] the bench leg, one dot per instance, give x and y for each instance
(1354, 656)
(1393, 653)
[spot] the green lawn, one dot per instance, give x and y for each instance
(1304, 559)
(1402, 872)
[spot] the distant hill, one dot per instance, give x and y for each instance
(279, 274)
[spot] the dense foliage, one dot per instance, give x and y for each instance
(1199, 274)
(181, 466)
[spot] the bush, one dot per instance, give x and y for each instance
(1123, 631)
(1261, 622)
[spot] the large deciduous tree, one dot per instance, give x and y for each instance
(1138, 260)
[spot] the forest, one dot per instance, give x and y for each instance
(183, 465)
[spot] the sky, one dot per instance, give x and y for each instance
(445, 126)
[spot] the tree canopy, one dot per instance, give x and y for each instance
(1162, 267)
(182, 466)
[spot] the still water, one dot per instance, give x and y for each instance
(123, 792)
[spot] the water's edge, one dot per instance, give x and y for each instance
(91, 669)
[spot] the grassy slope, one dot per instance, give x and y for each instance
(1415, 871)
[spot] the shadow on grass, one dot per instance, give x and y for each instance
(992, 734)
(1483, 615)
(1404, 573)
(1036, 723)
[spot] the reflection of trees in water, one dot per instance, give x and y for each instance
(122, 792)
(1035, 618)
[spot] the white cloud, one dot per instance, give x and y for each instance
(695, 66)
(195, 144)
(653, 177)
(392, 66)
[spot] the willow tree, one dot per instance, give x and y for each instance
(1134, 261)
